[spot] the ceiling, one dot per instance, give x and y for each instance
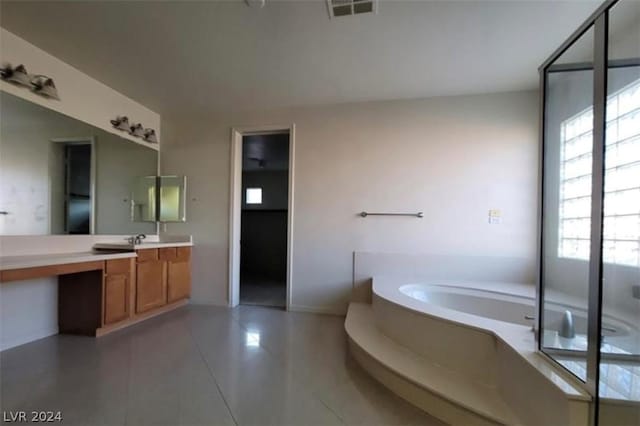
(181, 57)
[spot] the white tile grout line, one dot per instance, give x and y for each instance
(128, 391)
(213, 377)
(312, 392)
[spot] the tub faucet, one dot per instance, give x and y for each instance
(136, 239)
(567, 329)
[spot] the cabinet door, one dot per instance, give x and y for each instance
(179, 280)
(116, 298)
(167, 253)
(150, 286)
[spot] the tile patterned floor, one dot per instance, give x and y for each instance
(266, 293)
(204, 365)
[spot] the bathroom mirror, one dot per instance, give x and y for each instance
(159, 199)
(59, 175)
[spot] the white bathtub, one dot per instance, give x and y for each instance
(481, 333)
(516, 308)
(501, 307)
(453, 323)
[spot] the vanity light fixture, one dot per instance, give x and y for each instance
(150, 136)
(39, 84)
(121, 122)
(136, 130)
(17, 75)
(44, 86)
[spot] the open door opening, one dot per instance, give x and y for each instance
(261, 212)
(263, 229)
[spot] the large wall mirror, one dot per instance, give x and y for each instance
(59, 175)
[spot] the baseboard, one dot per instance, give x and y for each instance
(209, 303)
(140, 317)
(328, 310)
(31, 337)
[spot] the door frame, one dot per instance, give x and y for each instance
(88, 140)
(235, 205)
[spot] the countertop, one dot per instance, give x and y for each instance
(36, 260)
(144, 245)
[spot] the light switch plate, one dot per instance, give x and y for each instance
(495, 217)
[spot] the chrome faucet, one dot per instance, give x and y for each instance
(136, 239)
(567, 329)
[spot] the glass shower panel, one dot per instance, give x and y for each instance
(620, 346)
(566, 221)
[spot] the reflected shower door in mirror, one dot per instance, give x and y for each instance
(620, 347)
(566, 226)
(143, 199)
(62, 176)
(172, 198)
(78, 179)
(159, 199)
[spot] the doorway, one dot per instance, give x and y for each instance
(72, 171)
(78, 189)
(261, 216)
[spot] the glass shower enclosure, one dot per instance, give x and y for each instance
(589, 282)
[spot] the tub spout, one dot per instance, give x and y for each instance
(567, 330)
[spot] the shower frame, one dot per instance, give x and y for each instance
(599, 21)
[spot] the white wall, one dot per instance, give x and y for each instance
(28, 311)
(453, 158)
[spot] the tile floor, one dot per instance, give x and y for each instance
(272, 294)
(204, 365)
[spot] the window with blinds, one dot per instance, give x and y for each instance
(621, 230)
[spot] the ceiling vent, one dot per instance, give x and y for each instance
(351, 7)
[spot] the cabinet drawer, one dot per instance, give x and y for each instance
(167, 253)
(147, 255)
(118, 266)
(183, 253)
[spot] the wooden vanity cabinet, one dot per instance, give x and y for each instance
(179, 275)
(97, 297)
(157, 280)
(151, 283)
(117, 289)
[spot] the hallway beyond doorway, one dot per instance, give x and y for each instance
(263, 228)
